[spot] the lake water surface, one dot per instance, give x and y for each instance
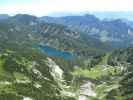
(56, 53)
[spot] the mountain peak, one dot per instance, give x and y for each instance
(4, 16)
(25, 18)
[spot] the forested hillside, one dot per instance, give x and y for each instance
(49, 61)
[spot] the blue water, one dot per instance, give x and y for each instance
(56, 53)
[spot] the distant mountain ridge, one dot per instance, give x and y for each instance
(27, 29)
(4, 16)
(114, 15)
(115, 31)
(110, 15)
(78, 34)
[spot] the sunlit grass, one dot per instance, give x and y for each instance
(96, 72)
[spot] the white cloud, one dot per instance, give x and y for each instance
(44, 7)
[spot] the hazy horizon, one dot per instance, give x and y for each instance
(99, 14)
(50, 7)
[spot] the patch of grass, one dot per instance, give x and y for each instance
(100, 70)
(3, 74)
(102, 90)
(104, 60)
(96, 72)
(19, 76)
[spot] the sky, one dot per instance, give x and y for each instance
(47, 7)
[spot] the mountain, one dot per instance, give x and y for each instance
(27, 29)
(113, 14)
(110, 15)
(4, 16)
(25, 72)
(116, 32)
(130, 23)
(124, 57)
(110, 79)
(42, 60)
(29, 73)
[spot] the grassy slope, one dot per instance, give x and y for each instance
(103, 74)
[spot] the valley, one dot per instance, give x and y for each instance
(67, 58)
